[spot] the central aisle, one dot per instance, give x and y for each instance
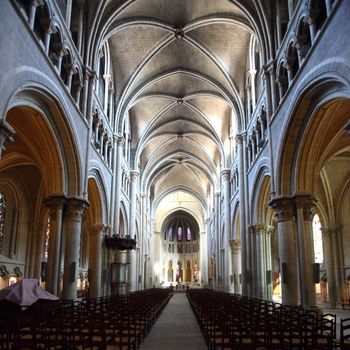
(176, 328)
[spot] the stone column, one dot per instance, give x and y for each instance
(304, 204)
(37, 251)
(236, 264)
(70, 71)
(132, 254)
(6, 133)
(328, 6)
(253, 274)
(278, 24)
(260, 270)
(268, 261)
(203, 272)
(271, 105)
(55, 204)
(74, 213)
(33, 6)
(81, 5)
(283, 207)
(118, 175)
(225, 176)
(95, 260)
(107, 78)
(110, 114)
(143, 238)
(31, 252)
(312, 25)
(49, 30)
(337, 248)
(327, 238)
(86, 78)
(252, 73)
(217, 240)
(240, 141)
(248, 89)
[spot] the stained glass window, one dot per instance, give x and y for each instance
(188, 236)
(171, 236)
(47, 237)
(179, 234)
(317, 235)
(2, 217)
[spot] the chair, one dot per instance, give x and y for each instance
(345, 334)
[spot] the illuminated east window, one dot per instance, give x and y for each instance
(2, 217)
(317, 236)
(188, 236)
(171, 236)
(179, 234)
(47, 237)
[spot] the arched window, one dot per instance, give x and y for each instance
(47, 237)
(188, 234)
(317, 236)
(2, 217)
(171, 235)
(179, 234)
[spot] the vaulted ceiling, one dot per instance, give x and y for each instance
(179, 71)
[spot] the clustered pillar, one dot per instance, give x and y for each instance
(95, 260)
(132, 252)
(55, 204)
(225, 175)
(73, 218)
(294, 219)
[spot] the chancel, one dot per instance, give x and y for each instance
(198, 148)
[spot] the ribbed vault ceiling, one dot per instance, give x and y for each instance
(180, 69)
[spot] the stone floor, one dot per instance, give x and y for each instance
(176, 328)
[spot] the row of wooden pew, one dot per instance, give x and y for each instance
(117, 322)
(231, 321)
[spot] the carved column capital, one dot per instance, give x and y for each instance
(235, 245)
(134, 174)
(240, 137)
(55, 201)
(119, 139)
(75, 208)
(98, 229)
(251, 229)
(307, 202)
(225, 174)
(260, 229)
(90, 74)
(283, 207)
(269, 229)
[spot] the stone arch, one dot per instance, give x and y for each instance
(67, 68)
(235, 222)
(292, 60)
(77, 84)
(123, 220)
(38, 119)
(18, 210)
(261, 197)
(56, 47)
(303, 37)
(97, 198)
(303, 154)
(282, 80)
(318, 13)
(42, 18)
